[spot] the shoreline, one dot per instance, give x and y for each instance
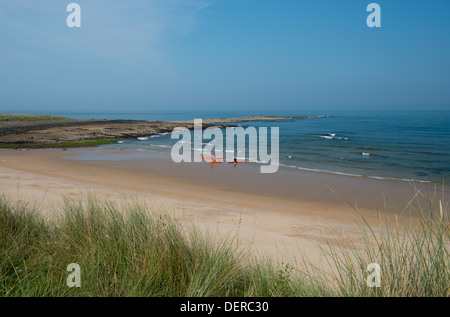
(268, 219)
(286, 187)
(81, 132)
(288, 184)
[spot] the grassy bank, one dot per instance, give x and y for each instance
(131, 252)
(55, 145)
(29, 117)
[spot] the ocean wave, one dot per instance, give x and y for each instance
(332, 136)
(354, 175)
(160, 145)
(159, 135)
(290, 166)
(400, 179)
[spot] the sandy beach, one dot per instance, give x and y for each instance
(279, 216)
(224, 149)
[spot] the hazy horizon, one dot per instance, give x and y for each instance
(197, 55)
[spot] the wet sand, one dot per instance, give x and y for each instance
(282, 215)
(288, 187)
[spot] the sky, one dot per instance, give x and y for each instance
(158, 55)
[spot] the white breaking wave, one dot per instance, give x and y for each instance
(160, 145)
(354, 175)
(332, 136)
(146, 138)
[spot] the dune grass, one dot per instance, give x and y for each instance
(128, 251)
(412, 252)
(29, 117)
(121, 253)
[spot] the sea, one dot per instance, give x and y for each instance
(393, 145)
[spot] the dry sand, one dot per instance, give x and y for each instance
(283, 224)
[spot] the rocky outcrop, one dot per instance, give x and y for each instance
(70, 131)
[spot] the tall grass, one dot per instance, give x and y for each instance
(130, 251)
(121, 253)
(411, 248)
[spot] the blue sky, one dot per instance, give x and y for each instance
(146, 55)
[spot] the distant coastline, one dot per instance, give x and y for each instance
(18, 131)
